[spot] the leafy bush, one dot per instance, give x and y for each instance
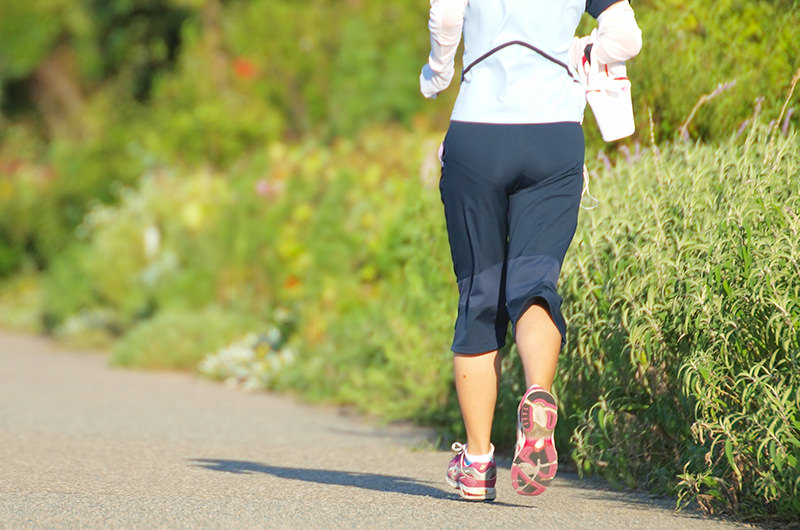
(180, 339)
(140, 253)
(683, 298)
(748, 421)
(28, 31)
(112, 40)
(692, 46)
(331, 65)
(43, 202)
(19, 184)
(20, 303)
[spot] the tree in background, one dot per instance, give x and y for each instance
(56, 52)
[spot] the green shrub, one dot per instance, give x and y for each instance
(19, 186)
(330, 65)
(113, 40)
(749, 427)
(691, 46)
(683, 297)
(143, 253)
(42, 203)
(180, 339)
(68, 288)
(353, 243)
(20, 303)
(203, 113)
(28, 32)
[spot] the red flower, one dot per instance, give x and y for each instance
(10, 166)
(244, 68)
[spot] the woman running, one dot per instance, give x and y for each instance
(512, 170)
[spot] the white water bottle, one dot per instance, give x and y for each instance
(608, 92)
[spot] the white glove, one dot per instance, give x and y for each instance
(577, 57)
(426, 83)
(431, 83)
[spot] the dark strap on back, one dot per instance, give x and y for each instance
(521, 43)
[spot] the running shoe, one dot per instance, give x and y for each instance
(535, 458)
(475, 481)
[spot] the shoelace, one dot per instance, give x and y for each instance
(539, 465)
(458, 447)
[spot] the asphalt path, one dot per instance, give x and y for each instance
(86, 446)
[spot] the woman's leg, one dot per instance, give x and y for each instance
(538, 344)
(543, 216)
(543, 212)
(477, 378)
(475, 175)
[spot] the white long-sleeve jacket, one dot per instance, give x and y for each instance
(516, 85)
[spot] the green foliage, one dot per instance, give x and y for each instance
(18, 202)
(120, 39)
(44, 198)
(28, 31)
(691, 46)
(366, 274)
(68, 289)
(139, 254)
(334, 245)
(133, 41)
(180, 339)
(749, 423)
(335, 66)
(199, 115)
(683, 299)
(20, 303)
(224, 79)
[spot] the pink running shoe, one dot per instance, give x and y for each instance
(476, 481)
(535, 458)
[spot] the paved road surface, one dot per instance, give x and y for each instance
(85, 446)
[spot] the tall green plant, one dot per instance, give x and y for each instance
(684, 303)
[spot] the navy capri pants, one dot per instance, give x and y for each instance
(511, 196)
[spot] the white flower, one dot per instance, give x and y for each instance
(152, 241)
(251, 363)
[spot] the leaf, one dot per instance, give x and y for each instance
(731, 461)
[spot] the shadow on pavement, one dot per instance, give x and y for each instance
(321, 476)
(388, 483)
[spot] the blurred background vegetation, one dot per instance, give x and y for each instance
(250, 187)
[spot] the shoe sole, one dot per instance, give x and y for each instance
(535, 460)
(472, 494)
(476, 494)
